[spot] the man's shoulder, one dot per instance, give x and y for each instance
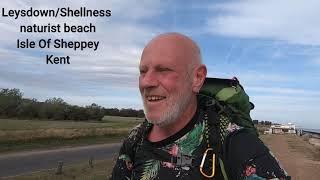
(130, 143)
(138, 131)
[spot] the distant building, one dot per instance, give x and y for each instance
(282, 129)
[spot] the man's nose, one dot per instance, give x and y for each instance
(148, 80)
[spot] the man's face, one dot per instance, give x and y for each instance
(165, 84)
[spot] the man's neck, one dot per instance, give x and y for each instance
(160, 133)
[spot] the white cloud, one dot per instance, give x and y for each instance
(295, 22)
(316, 61)
(107, 101)
(250, 78)
(288, 91)
(113, 65)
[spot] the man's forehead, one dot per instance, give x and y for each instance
(168, 53)
(161, 61)
(164, 56)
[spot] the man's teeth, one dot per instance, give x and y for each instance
(155, 98)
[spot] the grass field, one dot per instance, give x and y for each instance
(28, 134)
(100, 171)
(107, 121)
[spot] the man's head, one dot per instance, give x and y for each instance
(171, 74)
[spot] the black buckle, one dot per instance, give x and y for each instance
(210, 102)
(182, 160)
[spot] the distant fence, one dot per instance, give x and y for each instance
(313, 133)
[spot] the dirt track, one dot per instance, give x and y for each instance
(299, 158)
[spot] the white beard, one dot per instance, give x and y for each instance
(173, 110)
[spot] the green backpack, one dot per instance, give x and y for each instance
(233, 101)
(230, 103)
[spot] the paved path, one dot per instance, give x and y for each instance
(26, 162)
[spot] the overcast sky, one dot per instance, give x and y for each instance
(271, 46)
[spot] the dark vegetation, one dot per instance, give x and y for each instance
(13, 105)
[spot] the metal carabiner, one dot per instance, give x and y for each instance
(202, 163)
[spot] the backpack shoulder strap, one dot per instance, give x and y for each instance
(217, 122)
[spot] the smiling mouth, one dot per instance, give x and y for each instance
(155, 98)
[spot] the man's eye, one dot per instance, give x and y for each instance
(142, 71)
(164, 69)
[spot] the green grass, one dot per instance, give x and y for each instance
(118, 118)
(101, 170)
(18, 135)
(107, 121)
(49, 143)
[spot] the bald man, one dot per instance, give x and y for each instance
(171, 143)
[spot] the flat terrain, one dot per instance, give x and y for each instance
(81, 171)
(16, 135)
(299, 158)
(107, 121)
(16, 164)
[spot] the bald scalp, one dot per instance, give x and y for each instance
(177, 50)
(180, 44)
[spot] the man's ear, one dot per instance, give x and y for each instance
(200, 74)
